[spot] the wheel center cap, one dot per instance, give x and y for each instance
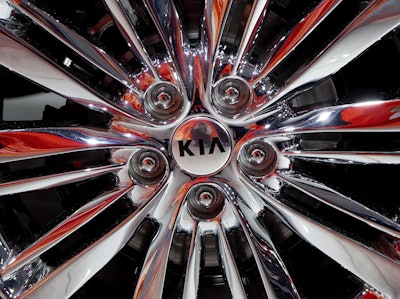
(201, 146)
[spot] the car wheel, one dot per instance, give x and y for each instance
(209, 149)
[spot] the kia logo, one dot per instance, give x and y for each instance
(186, 149)
(201, 145)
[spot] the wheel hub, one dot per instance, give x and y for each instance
(201, 146)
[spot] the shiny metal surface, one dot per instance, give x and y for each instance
(215, 149)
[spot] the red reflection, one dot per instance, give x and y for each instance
(166, 72)
(196, 129)
(143, 81)
(70, 225)
(218, 13)
(371, 295)
(226, 71)
(382, 115)
(123, 129)
(100, 26)
(23, 143)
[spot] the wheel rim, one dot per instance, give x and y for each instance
(224, 146)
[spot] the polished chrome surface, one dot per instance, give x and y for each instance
(244, 149)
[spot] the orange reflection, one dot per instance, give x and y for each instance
(132, 101)
(123, 129)
(218, 13)
(226, 71)
(198, 75)
(166, 72)
(143, 81)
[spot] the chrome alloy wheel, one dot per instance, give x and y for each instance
(184, 149)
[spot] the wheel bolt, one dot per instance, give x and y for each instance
(148, 164)
(257, 156)
(164, 100)
(232, 95)
(206, 199)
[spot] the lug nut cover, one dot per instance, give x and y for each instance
(147, 167)
(257, 159)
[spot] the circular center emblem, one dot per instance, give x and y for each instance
(201, 145)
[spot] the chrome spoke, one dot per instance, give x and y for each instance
(192, 275)
(63, 282)
(187, 148)
(78, 266)
(167, 211)
(253, 23)
(167, 21)
(296, 36)
(343, 157)
(373, 23)
(41, 71)
(276, 278)
(342, 203)
(351, 255)
(50, 181)
(215, 14)
(120, 11)
(228, 262)
(62, 230)
(5, 251)
(77, 43)
(33, 143)
(379, 18)
(18, 259)
(375, 116)
(246, 206)
(377, 270)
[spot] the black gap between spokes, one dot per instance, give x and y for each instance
(53, 164)
(369, 77)
(316, 41)
(245, 261)
(312, 271)
(176, 267)
(388, 142)
(373, 185)
(89, 233)
(34, 213)
(329, 217)
(12, 85)
(211, 284)
(119, 276)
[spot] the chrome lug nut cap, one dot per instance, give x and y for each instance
(147, 167)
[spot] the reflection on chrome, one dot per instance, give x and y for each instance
(222, 145)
